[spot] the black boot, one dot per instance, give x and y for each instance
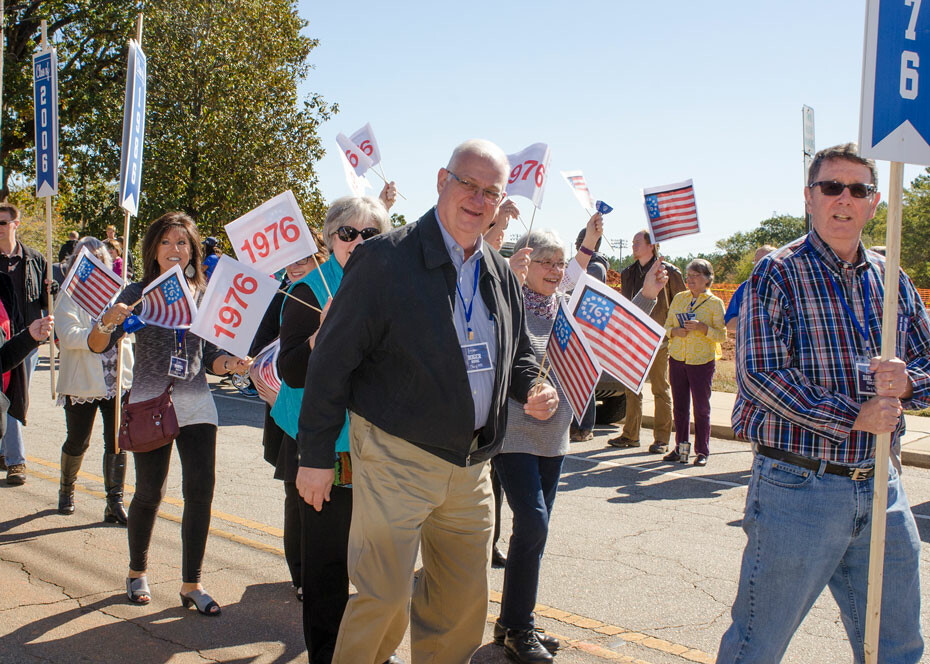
(114, 473)
(70, 465)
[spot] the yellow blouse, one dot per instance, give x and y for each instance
(697, 347)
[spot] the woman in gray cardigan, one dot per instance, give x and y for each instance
(530, 461)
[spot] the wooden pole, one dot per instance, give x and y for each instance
(306, 304)
(320, 270)
(117, 407)
(883, 442)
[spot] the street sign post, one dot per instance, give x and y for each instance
(894, 124)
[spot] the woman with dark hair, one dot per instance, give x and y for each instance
(87, 383)
(171, 240)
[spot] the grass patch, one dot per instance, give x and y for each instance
(724, 377)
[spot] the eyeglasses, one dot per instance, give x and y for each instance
(548, 265)
(492, 196)
(303, 261)
(4, 222)
(348, 233)
(834, 188)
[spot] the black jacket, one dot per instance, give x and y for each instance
(36, 293)
(12, 353)
(388, 350)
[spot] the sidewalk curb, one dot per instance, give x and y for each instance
(908, 457)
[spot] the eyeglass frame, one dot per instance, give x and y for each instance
(489, 195)
(561, 266)
(870, 189)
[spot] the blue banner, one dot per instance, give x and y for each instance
(45, 94)
(903, 41)
(602, 207)
(130, 170)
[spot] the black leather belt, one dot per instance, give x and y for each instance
(856, 474)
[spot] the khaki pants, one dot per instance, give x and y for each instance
(405, 500)
(658, 379)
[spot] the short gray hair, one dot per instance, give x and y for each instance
(349, 208)
(480, 148)
(94, 246)
(702, 267)
(846, 152)
(543, 244)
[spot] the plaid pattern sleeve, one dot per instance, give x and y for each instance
(795, 361)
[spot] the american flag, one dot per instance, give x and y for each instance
(167, 302)
(90, 284)
(624, 340)
(576, 181)
(671, 211)
(264, 368)
(572, 361)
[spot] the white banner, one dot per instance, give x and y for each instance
(529, 172)
(364, 138)
(233, 306)
(358, 159)
(357, 184)
(272, 236)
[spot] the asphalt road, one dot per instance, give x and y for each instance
(641, 565)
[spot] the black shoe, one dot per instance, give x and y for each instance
(672, 456)
(700, 460)
(66, 502)
(523, 646)
(550, 643)
(658, 448)
(498, 559)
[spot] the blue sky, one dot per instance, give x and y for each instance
(635, 94)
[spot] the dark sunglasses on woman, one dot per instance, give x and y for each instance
(348, 233)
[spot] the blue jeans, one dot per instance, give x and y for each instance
(11, 447)
(807, 530)
(530, 483)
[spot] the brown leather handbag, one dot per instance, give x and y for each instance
(147, 425)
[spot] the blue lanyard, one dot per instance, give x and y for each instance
(863, 330)
(470, 306)
(179, 337)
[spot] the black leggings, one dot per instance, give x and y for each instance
(79, 420)
(197, 448)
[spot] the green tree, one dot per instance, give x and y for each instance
(915, 230)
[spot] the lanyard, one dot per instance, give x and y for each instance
(692, 308)
(470, 306)
(179, 337)
(862, 329)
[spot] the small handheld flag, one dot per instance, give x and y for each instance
(603, 208)
(167, 301)
(579, 187)
(573, 361)
(624, 339)
(264, 369)
(91, 284)
(671, 211)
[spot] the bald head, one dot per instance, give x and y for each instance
(483, 149)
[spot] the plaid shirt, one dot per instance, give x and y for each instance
(797, 347)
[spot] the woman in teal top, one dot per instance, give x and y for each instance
(349, 222)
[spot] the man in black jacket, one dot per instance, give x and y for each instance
(26, 268)
(423, 343)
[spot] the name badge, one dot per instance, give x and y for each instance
(477, 357)
(177, 367)
(903, 321)
(865, 379)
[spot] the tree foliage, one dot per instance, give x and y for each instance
(225, 126)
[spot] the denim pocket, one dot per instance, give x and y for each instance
(786, 475)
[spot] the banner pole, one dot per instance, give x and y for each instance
(883, 441)
(51, 298)
(320, 270)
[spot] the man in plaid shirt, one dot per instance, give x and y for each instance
(812, 396)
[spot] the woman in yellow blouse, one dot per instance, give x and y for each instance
(695, 328)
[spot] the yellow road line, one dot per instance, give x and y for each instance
(596, 626)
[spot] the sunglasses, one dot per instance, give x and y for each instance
(348, 233)
(4, 222)
(834, 188)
